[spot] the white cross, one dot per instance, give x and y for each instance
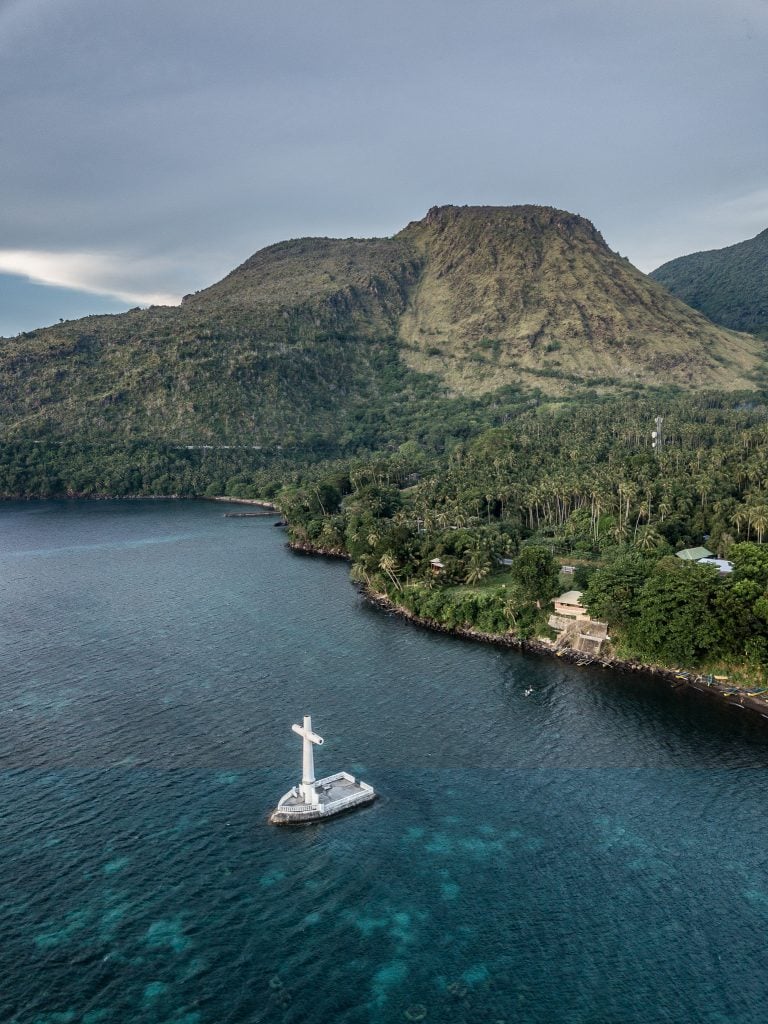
(308, 766)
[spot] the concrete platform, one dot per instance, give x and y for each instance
(334, 794)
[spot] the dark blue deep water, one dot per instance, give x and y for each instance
(593, 852)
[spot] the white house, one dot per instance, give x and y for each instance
(722, 565)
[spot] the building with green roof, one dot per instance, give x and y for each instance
(694, 554)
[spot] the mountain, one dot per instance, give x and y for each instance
(348, 341)
(534, 294)
(278, 352)
(729, 285)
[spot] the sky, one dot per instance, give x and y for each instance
(147, 148)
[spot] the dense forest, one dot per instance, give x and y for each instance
(582, 485)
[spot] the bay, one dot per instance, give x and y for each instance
(591, 852)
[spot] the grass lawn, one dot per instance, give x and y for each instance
(494, 581)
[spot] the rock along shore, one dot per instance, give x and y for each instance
(721, 691)
(310, 549)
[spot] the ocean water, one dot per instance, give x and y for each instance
(593, 853)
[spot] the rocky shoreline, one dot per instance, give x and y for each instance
(311, 549)
(709, 686)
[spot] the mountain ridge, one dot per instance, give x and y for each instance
(310, 338)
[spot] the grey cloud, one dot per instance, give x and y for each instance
(193, 135)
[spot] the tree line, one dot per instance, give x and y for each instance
(579, 484)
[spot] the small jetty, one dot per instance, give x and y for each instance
(313, 800)
(250, 515)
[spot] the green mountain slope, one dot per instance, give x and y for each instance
(352, 342)
(280, 349)
(729, 285)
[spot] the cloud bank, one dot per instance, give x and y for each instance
(98, 273)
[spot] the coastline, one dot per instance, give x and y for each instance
(78, 496)
(245, 501)
(310, 549)
(677, 678)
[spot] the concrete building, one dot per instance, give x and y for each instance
(569, 604)
(574, 627)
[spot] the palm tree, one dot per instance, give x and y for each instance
(330, 536)
(358, 574)
(509, 611)
(739, 517)
(478, 567)
(388, 564)
(758, 520)
(488, 501)
(643, 512)
(619, 532)
(648, 537)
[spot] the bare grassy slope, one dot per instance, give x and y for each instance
(532, 293)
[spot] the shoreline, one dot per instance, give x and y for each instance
(244, 501)
(99, 497)
(141, 497)
(677, 678)
(310, 549)
(726, 694)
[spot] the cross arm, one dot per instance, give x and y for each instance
(307, 735)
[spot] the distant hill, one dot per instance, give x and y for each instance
(729, 285)
(350, 342)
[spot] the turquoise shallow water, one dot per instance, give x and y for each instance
(594, 852)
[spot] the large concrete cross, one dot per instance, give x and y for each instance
(308, 766)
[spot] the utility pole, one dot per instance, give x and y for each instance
(656, 434)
